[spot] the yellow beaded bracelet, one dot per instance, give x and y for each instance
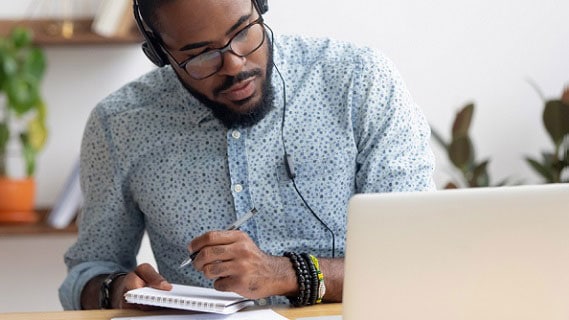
(321, 285)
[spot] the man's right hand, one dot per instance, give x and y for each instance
(143, 276)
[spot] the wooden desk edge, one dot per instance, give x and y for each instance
(327, 309)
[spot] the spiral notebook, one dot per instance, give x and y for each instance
(189, 298)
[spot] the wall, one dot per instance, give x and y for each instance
(32, 269)
(454, 52)
(449, 52)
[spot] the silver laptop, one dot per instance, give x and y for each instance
(484, 254)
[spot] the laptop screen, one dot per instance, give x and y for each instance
(487, 253)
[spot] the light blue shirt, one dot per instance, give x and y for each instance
(154, 158)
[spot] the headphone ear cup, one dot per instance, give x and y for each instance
(154, 56)
(262, 5)
(150, 46)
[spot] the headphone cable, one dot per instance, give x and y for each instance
(289, 165)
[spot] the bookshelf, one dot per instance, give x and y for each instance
(38, 228)
(48, 32)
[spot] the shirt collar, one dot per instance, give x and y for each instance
(198, 112)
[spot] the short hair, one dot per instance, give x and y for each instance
(148, 10)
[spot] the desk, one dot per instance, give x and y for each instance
(291, 313)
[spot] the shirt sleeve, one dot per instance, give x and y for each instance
(394, 154)
(110, 226)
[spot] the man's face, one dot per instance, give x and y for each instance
(239, 93)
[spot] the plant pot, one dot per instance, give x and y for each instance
(17, 200)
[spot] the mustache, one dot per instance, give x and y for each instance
(230, 81)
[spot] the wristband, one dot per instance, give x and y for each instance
(302, 277)
(310, 279)
(312, 295)
(321, 285)
(105, 301)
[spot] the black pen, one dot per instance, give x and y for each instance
(234, 226)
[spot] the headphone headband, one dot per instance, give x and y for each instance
(151, 45)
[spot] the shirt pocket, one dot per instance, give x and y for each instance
(326, 183)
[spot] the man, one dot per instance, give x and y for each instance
(291, 127)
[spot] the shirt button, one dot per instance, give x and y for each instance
(236, 134)
(238, 188)
(262, 302)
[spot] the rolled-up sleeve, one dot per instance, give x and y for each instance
(110, 226)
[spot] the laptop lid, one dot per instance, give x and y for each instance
(485, 253)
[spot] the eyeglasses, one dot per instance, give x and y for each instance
(242, 44)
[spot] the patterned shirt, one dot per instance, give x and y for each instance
(155, 159)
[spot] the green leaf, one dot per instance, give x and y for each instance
(41, 111)
(462, 121)
(439, 139)
(548, 159)
(506, 181)
(542, 170)
(460, 152)
(37, 133)
(22, 93)
(21, 37)
(9, 65)
(22, 67)
(480, 176)
(34, 63)
(4, 137)
(556, 120)
(29, 154)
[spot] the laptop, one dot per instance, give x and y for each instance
(485, 253)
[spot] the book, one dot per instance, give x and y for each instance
(114, 18)
(189, 298)
(68, 202)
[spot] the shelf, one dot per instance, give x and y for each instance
(49, 32)
(38, 228)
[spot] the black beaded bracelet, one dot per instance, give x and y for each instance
(105, 293)
(308, 291)
(314, 283)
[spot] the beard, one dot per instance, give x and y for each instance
(231, 118)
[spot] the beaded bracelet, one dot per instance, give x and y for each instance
(303, 278)
(320, 275)
(311, 298)
(309, 277)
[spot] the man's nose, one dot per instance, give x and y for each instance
(232, 63)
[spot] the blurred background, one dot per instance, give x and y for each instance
(450, 53)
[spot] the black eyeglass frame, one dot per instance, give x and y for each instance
(222, 50)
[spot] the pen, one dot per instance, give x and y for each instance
(234, 226)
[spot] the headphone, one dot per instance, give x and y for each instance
(152, 47)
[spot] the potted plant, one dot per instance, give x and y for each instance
(461, 153)
(554, 165)
(22, 123)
